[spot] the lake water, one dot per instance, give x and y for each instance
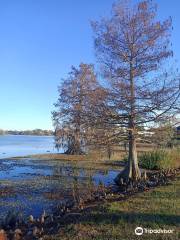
(21, 145)
(29, 185)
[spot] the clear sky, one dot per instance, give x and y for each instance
(39, 41)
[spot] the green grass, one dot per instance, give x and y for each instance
(158, 208)
(160, 159)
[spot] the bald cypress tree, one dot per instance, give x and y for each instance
(131, 47)
(70, 117)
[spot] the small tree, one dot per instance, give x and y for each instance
(131, 47)
(70, 116)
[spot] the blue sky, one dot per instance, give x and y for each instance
(39, 41)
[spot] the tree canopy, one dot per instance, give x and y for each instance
(135, 90)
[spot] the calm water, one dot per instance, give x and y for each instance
(31, 185)
(21, 145)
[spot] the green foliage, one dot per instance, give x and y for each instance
(160, 159)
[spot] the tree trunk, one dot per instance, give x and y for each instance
(74, 145)
(131, 171)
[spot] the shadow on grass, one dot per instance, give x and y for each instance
(119, 217)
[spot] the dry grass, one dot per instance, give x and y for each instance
(92, 156)
(56, 156)
(101, 156)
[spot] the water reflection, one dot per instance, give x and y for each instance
(33, 185)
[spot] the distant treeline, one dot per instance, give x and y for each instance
(37, 132)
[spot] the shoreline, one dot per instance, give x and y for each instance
(50, 156)
(92, 200)
(66, 215)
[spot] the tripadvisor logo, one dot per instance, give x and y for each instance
(139, 231)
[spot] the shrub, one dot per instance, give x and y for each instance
(160, 159)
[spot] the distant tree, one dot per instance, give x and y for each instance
(131, 47)
(36, 132)
(2, 132)
(163, 135)
(73, 107)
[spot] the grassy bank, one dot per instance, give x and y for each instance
(153, 159)
(93, 156)
(158, 208)
(115, 219)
